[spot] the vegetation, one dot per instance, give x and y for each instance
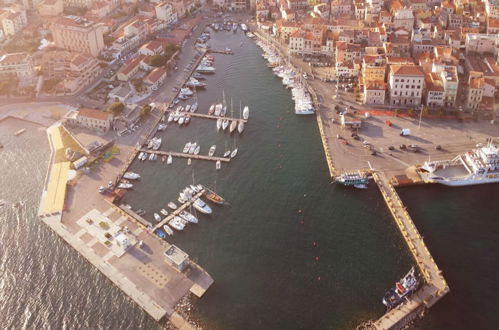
(170, 49)
(158, 60)
(146, 109)
(49, 85)
(138, 84)
(104, 225)
(116, 108)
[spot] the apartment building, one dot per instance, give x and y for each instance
(374, 67)
(475, 92)
(406, 84)
(78, 34)
(50, 7)
(480, 43)
(15, 65)
(374, 92)
(91, 119)
(434, 91)
(166, 12)
(13, 22)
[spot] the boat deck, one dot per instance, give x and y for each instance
(178, 210)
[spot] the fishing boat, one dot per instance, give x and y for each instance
(211, 152)
(164, 212)
(187, 147)
(193, 147)
(233, 126)
(225, 123)
(233, 153)
(168, 230)
(240, 127)
(157, 217)
(246, 112)
(172, 205)
(213, 197)
(125, 185)
(201, 206)
(177, 223)
(196, 151)
(402, 289)
(169, 160)
(212, 109)
(219, 124)
(188, 216)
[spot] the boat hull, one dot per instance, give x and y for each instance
(466, 182)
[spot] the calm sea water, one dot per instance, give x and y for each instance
(290, 251)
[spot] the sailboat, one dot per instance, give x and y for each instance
(219, 124)
(187, 147)
(211, 152)
(225, 123)
(233, 126)
(246, 112)
(212, 109)
(240, 127)
(233, 153)
(196, 151)
(218, 108)
(194, 107)
(218, 165)
(169, 160)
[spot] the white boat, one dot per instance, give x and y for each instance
(125, 185)
(163, 159)
(186, 91)
(181, 199)
(188, 216)
(233, 153)
(212, 109)
(172, 205)
(225, 123)
(170, 117)
(219, 124)
(205, 69)
(226, 154)
(218, 165)
(189, 161)
(196, 151)
(195, 188)
(141, 155)
(176, 116)
(161, 127)
(151, 156)
(200, 187)
(240, 127)
(246, 112)
(164, 212)
(201, 206)
(187, 147)
(181, 120)
(193, 147)
(177, 223)
(168, 230)
(187, 108)
(194, 107)
(211, 152)
(218, 109)
(157, 217)
(223, 112)
(169, 160)
(233, 126)
(187, 120)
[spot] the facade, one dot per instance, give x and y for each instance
(480, 43)
(475, 93)
(155, 78)
(406, 83)
(95, 120)
(374, 92)
(404, 18)
(78, 34)
(129, 69)
(50, 7)
(13, 22)
(434, 91)
(15, 65)
(374, 67)
(165, 12)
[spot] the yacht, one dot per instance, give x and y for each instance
(246, 112)
(201, 206)
(188, 216)
(186, 91)
(352, 179)
(225, 123)
(157, 217)
(186, 148)
(172, 205)
(169, 160)
(125, 185)
(211, 152)
(233, 153)
(240, 127)
(205, 69)
(233, 126)
(168, 230)
(402, 289)
(477, 166)
(177, 223)
(193, 147)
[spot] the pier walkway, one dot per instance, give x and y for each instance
(182, 155)
(178, 210)
(202, 115)
(434, 286)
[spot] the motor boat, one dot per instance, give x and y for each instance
(223, 112)
(181, 200)
(141, 154)
(194, 107)
(172, 205)
(164, 212)
(218, 165)
(125, 185)
(240, 127)
(212, 109)
(226, 154)
(218, 109)
(233, 126)
(186, 91)
(181, 120)
(246, 112)
(170, 117)
(200, 187)
(233, 153)
(196, 151)
(213, 197)
(187, 147)
(177, 223)
(157, 217)
(168, 230)
(193, 147)
(187, 108)
(187, 120)
(211, 152)
(219, 124)
(195, 188)
(188, 216)
(201, 206)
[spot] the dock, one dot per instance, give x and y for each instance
(434, 286)
(183, 155)
(202, 115)
(178, 210)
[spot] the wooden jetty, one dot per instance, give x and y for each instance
(178, 210)
(202, 115)
(225, 52)
(183, 155)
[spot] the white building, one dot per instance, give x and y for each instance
(165, 12)
(15, 65)
(406, 83)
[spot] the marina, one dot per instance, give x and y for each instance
(207, 116)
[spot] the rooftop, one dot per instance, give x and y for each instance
(95, 114)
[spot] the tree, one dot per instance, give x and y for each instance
(146, 109)
(137, 84)
(170, 49)
(158, 60)
(116, 108)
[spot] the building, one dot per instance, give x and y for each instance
(129, 69)
(406, 84)
(153, 47)
(176, 257)
(155, 78)
(404, 18)
(77, 3)
(96, 120)
(374, 67)
(165, 12)
(374, 92)
(434, 91)
(13, 22)
(480, 43)
(50, 7)
(15, 65)
(475, 93)
(78, 34)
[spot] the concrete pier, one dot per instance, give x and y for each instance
(178, 210)
(183, 155)
(206, 116)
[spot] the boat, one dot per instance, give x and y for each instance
(212, 109)
(172, 205)
(181, 120)
(240, 127)
(200, 187)
(196, 151)
(352, 178)
(163, 159)
(168, 230)
(218, 109)
(187, 108)
(213, 197)
(360, 186)
(193, 147)
(211, 152)
(194, 107)
(225, 123)
(189, 161)
(223, 112)
(196, 189)
(177, 223)
(226, 154)
(219, 124)
(188, 216)
(151, 156)
(102, 189)
(187, 147)
(246, 112)
(233, 153)
(205, 69)
(169, 160)
(402, 289)
(478, 166)
(141, 154)
(194, 83)
(161, 127)
(233, 126)
(160, 234)
(218, 165)
(157, 217)
(187, 120)
(164, 212)
(186, 91)
(244, 27)
(182, 199)
(201, 206)
(125, 185)
(170, 117)
(176, 116)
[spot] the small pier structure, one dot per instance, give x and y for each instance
(183, 155)
(178, 210)
(202, 115)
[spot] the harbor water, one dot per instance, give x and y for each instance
(291, 251)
